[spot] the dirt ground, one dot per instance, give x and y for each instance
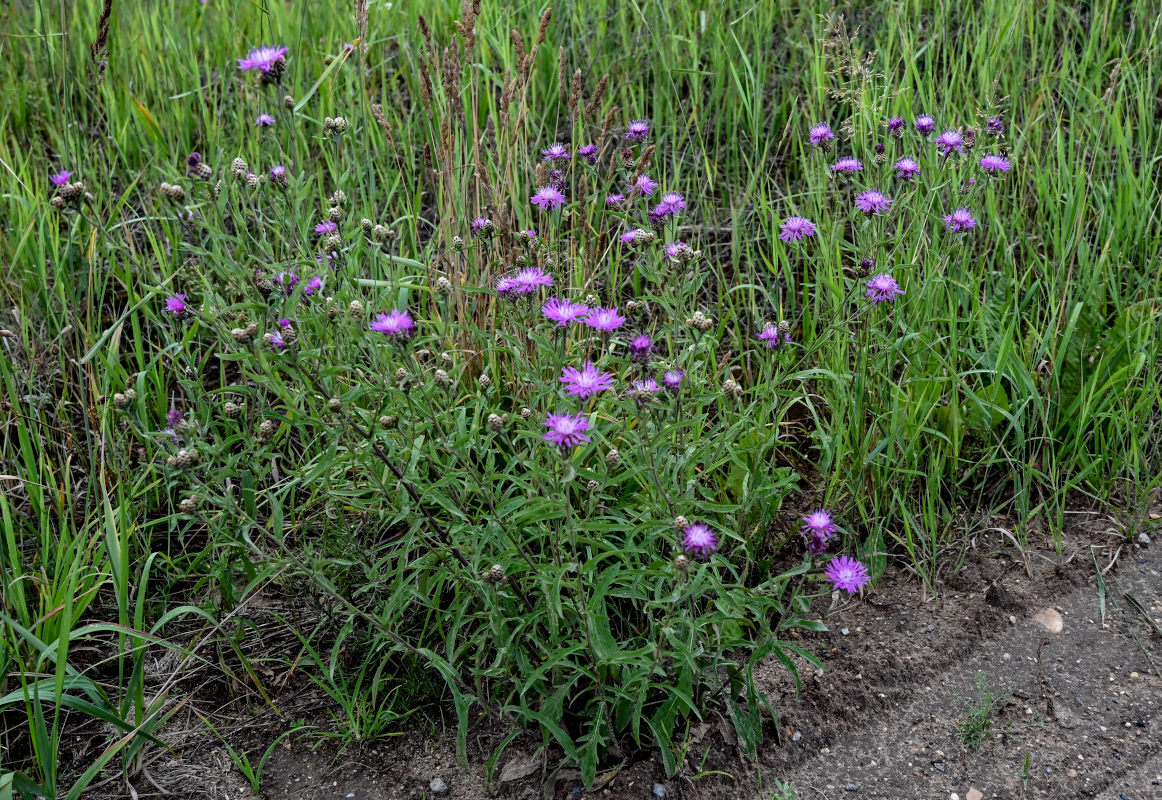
(1069, 652)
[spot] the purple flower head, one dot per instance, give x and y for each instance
(820, 134)
(645, 390)
(644, 185)
(507, 288)
(563, 312)
(670, 203)
(948, 141)
(326, 227)
(284, 322)
(672, 380)
(193, 159)
(795, 228)
(312, 286)
(547, 198)
(585, 381)
(614, 199)
(176, 305)
(771, 337)
(699, 540)
(263, 59)
(637, 130)
(819, 529)
(641, 347)
(278, 174)
(882, 288)
(61, 178)
(530, 279)
(276, 341)
(588, 152)
(566, 430)
(287, 280)
(925, 124)
(872, 202)
(993, 163)
(556, 152)
(631, 236)
(174, 417)
(906, 169)
(896, 126)
(847, 574)
(673, 249)
(847, 166)
(394, 325)
(994, 127)
(482, 226)
(959, 220)
(264, 121)
(605, 320)
(529, 235)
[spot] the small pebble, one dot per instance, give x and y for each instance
(796, 736)
(1144, 539)
(844, 631)
(659, 791)
(438, 787)
(852, 787)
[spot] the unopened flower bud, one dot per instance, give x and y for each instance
(335, 405)
(484, 381)
(131, 394)
(388, 421)
(238, 168)
(446, 358)
(188, 505)
(593, 486)
(366, 225)
(267, 428)
(184, 459)
(379, 233)
(495, 423)
(288, 101)
(120, 400)
(337, 198)
(731, 388)
(526, 413)
(231, 410)
(355, 308)
(497, 572)
(613, 458)
(441, 378)
(240, 335)
(784, 327)
(457, 243)
(681, 562)
(443, 286)
(680, 523)
(335, 214)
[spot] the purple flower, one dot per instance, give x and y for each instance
(263, 58)
(326, 227)
(959, 220)
(588, 152)
(530, 279)
(287, 280)
(640, 348)
(925, 124)
(637, 131)
(670, 203)
(563, 312)
(672, 380)
(556, 152)
(614, 199)
(896, 126)
(795, 228)
(644, 185)
(820, 134)
(276, 341)
(771, 337)
(881, 288)
(312, 286)
(566, 430)
(631, 236)
(906, 169)
(507, 287)
(174, 417)
(673, 249)
(176, 305)
(481, 226)
(948, 141)
(847, 165)
(547, 198)
(994, 163)
(585, 381)
(61, 178)
(394, 324)
(872, 202)
(284, 322)
(604, 319)
(278, 174)
(994, 127)
(644, 390)
(847, 574)
(264, 121)
(529, 235)
(699, 540)
(819, 529)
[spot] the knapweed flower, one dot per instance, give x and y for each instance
(882, 288)
(61, 178)
(556, 152)
(644, 391)
(563, 312)
(547, 198)
(819, 529)
(670, 203)
(530, 279)
(640, 348)
(872, 202)
(312, 286)
(278, 174)
(588, 152)
(529, 235)
(993, 163)
(631, 236)
(482, 226)
(394, 324)
(847, 166)
(176, 305)
(644, 184)
(925, 124)
(263, 59)
(820, 134)
(287, 280)
(994, 127)
(174, 417)
(847, 574)
(674, 249)
(507, 287)
(948, 141)
(605, 320)
(588, 380)
(326, 228)
(672, 380)
(959, 220)
(795, 228)
(637, 130)
(772, 337)
(906, 169)
(614, 199)
(566, 430)
(275, 340)
(264, 121)
(896, 126)
(699, 539)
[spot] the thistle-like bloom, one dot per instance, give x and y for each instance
(671, 204)
(641, 347)
(264, 120)
(394, 324)
(548, 198)
(61, 178)
(993, 163)
(588, 152)
(278, 174)
(605, 320)
(994, 127)
(566, 430)
(820, 134)
(795, 228)
(481, 226)
(312, 286)
(906, 169)
(674, 249)
(699, 540)
(263, 59)
(882, 288)
(287, 280)
(819, 529)
(959, 220)
(925, 124)
(588, 380)
(530, 279)
(948, 141)
(672, 380)
(507, 287)
(644, 184)
(631, 236)
(644, 391)
(872, 202)
(847, 166)
(772, 337)
(326, 228)
(556, 152)
(637, 130)
(529, 235)
(176, 305)
(563, 312)
(614, 199)
(847, 574)
(896, 126)
(276, 341)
